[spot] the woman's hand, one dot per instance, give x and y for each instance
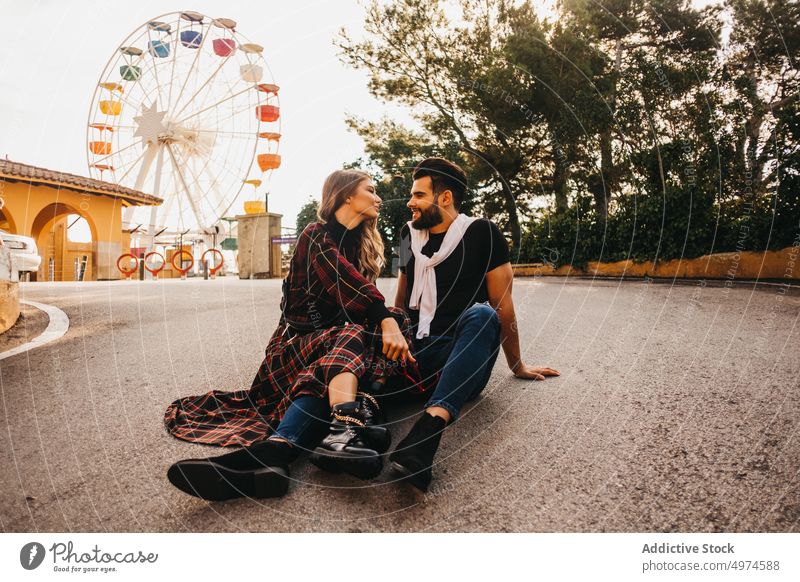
(395, 346)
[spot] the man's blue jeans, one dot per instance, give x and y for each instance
(465, 358)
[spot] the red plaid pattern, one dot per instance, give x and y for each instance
(321, 279)
(298, 365)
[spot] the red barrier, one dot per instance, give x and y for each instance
(155, 272)
(123, 271)
(177, 268)
(213, 272)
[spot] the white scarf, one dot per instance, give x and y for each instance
(423, 294)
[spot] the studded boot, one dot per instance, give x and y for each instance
(378, 436)
(347, 449)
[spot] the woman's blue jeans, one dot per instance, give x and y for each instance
(465, 358)
(305, 423)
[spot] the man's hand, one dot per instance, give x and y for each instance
(522, 370)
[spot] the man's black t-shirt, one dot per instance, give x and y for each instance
(461, 277)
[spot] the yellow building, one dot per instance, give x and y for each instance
(37, 203)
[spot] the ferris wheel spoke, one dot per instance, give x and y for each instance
(209, 93)
(235, 112)
(221, 167)
(213, 181)
(196, 59)
(231, 133)
(144, 72)
(243, 153)
(188, 163)
(217, 104)
(129, 91)
(144, 65)
(249, 105)
(231, 203)
(185, 186)
(212, 198)
(155, 72)
(226, 118)
(211, 166)
(174, 58)
(132, 166)
(196, 93)
(147, 100)
(218, 199)
(185, 162)
(116, 153)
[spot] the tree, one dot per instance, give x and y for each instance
(307, 214)
(561, 73)
(761, 77)
(657, 55)
(415, 55)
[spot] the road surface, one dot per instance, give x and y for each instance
(677, 410)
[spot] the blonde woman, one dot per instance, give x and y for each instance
(335, 330)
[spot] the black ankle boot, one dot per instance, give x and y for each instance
(413, 457)
(346, 448)
(260, 470)
(378, 437)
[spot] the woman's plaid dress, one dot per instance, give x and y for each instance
(325, 293)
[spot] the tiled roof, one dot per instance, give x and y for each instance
(15, 171)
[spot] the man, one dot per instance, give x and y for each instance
(455, 283)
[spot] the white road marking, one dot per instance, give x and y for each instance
(58, 326)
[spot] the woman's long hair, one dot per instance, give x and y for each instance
(338, 186)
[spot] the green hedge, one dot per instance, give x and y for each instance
(680, 223)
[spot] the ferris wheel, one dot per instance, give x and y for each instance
(183, 111)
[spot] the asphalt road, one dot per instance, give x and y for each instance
(677, 410)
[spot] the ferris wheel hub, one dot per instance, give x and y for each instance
(150, 124)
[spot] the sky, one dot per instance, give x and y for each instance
(52, 57)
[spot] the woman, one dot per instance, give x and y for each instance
(335, 330)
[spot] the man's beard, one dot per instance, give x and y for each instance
(428, 218)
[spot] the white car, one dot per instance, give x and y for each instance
(24, 253)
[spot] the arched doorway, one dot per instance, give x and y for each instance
(7, 221)
(65, 257)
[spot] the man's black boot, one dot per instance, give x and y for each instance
(413, 457)
(347, 449)
(260, 470)
(376, 436)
